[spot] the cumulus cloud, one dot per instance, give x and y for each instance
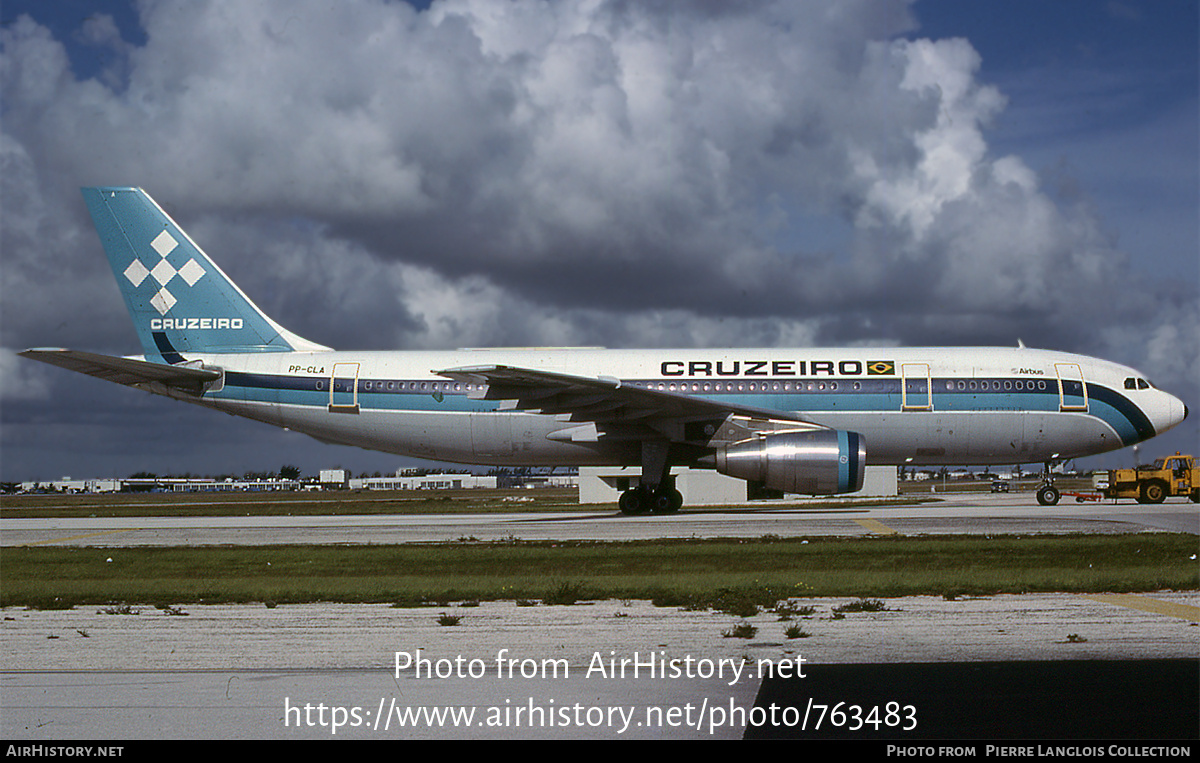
(591, 172)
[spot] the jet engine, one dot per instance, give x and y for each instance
(816, 462)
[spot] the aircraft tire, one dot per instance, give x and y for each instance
(676, 501)
(668, 501)
(1048, 495)
(632, 503)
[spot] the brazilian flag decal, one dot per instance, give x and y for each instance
(881, 368)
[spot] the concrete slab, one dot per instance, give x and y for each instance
(601, 670)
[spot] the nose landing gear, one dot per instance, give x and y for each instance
(1047, 493)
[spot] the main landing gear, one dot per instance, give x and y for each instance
(643, 499)
(657, 492)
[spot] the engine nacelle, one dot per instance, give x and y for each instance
(818, 462)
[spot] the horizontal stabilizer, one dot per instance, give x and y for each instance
(127, 371)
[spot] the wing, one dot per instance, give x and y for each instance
(605, 407)
(127, 371)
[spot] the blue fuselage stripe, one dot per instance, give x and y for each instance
(867, 396)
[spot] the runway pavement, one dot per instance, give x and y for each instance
(970, 514)
(607, 670)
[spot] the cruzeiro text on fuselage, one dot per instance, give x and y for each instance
(695, 368)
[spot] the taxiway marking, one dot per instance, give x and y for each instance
(1146, 604)
(876, 527)
(77, 537)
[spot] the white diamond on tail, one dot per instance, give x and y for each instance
(164, 244)
(136, 272)
(163, 301)
(191, 272)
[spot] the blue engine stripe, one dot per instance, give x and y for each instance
(852, 471)
(843, 461)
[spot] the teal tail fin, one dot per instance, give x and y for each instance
(179, 300)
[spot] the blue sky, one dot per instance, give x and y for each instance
(513, 177)
(1104, 93)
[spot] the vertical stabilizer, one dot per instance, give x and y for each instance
(179, 300)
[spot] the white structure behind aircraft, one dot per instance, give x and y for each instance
(797, 420)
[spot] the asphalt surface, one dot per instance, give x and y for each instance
(611, 669)
(963, 514)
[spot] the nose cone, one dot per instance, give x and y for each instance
(1169, 413)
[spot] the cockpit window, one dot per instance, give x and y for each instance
(1131, 383)
(1135, 383)
(1143, 384)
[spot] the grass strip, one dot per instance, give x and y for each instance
(670, 572)
(284, 503)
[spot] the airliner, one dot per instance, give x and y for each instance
(803, 421)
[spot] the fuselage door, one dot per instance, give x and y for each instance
(1072, 389)
(343, 388)
(916, 391)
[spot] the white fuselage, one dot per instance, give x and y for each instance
(912, 405)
